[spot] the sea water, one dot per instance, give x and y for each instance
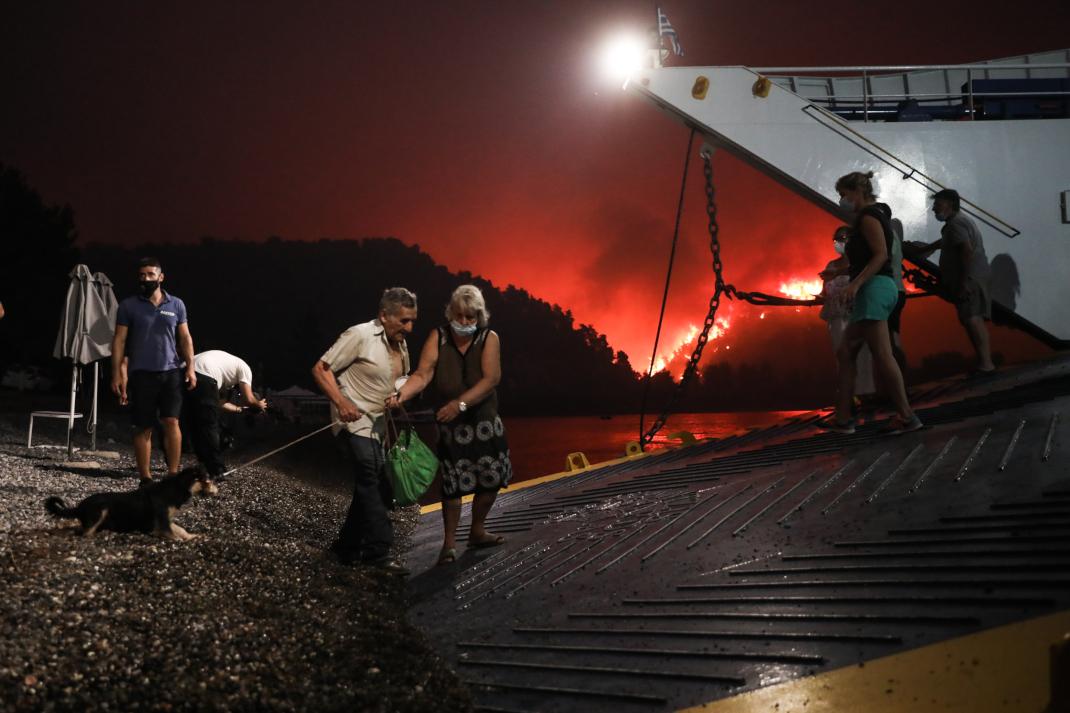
(540, 445)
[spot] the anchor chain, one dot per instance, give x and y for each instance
(915, 277)
(715, 301)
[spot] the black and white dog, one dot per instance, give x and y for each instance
(147, 509)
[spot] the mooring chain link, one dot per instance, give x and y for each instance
(715, 301)
(922, 280)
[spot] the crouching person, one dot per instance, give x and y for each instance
(358, 374)
(218, 374)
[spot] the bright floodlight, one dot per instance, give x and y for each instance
(623, 57)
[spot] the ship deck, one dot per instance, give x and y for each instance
(780, 569)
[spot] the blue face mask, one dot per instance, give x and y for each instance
(847, 205)
(463, 330)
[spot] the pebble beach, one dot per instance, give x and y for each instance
(253, 614)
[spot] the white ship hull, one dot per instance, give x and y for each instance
(1010, 173)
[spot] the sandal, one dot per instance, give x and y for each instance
(830, 424)
(897, 426)
(491, 541)
(447, 556)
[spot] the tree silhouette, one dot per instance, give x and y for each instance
(281, 303)
(39, 254)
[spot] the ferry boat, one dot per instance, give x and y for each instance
(786, 568)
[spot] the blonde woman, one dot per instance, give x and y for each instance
(873, 296)
(461, 362)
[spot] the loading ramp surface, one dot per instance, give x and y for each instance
(729, 566)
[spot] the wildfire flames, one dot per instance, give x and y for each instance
(801, 289)
(674, 358)
(720, 326)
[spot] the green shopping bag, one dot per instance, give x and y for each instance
(410, 464)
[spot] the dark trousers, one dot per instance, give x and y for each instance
(367, 532)
(201, 422)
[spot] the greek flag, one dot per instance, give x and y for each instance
(665, 29)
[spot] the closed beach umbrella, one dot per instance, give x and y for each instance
(85, 333)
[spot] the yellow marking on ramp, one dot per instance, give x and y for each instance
(1006, 669)
(434, 507)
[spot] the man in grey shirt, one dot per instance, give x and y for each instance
(964, 272)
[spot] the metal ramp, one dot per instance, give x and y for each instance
(720, 568)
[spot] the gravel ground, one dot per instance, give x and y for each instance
(252, 615)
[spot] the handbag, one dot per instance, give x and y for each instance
(410, 464)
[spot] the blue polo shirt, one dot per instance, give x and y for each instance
(150, 341)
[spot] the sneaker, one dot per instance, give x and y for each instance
(209, 489)
(897, 426)
(343, 555)
(830, 424)
(389, 566)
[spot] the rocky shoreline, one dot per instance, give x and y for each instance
(251, 615)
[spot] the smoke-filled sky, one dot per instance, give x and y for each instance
(481, 131)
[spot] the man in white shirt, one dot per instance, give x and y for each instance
(358, 374)
(218, 373)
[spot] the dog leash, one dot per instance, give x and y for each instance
(280, 448)
(422, 414)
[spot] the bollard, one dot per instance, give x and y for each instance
(576, 461)
(686, 438)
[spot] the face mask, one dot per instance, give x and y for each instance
(847, 205)
(839, 247)
(941, 218)
(462, 330)
(147, 287)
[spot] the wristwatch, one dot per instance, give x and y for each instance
(462, 406)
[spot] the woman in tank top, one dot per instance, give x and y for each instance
(874, 295)
(461, 362)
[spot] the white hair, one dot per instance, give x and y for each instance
(395, 299)
(468, 298)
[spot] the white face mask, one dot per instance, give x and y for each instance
(839, 247)
(463, 330)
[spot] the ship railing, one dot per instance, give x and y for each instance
(935, 91)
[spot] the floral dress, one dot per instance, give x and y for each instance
(472, 448)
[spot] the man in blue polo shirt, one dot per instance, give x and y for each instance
(151, 329)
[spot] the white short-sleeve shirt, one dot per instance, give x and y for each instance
(227, 369)
(360, 360)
